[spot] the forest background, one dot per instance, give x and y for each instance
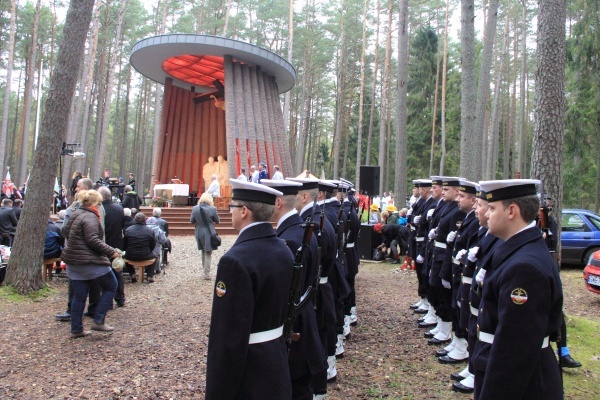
(343, 111)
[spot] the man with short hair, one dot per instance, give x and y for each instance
(164, 225)
(18, 207)
(253, 174)
(8, 222)
(131, 199)
(214, 189)
(247, 354)
(242, 176)
(306, 355)
(277, 175)
(521, 301)
(139, 243)
(113, 235)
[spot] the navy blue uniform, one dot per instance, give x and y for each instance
(521, 306)
(351, 251)
(306, 356)
(251, 293)
(421, 246)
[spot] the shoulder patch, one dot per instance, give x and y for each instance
(220, 289)
(518, 296)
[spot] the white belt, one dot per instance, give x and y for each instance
(474, 311)
(349, 245)
(489, 338)
(467, 280)
(323, 281)
(440, 245)
(459, 303)
(455, 261)
(420, 239)
(265, 336)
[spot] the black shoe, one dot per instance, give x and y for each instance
(568, 362)
(395, 261)
(89, 314)
(413, 307)
(449, 360)
(456, 377)
(437, 342)
(421, 319)
(424, 325)
(442, 353)
(120, 303)
(420, 311)
(459, 387)
(66, 316)
(428, 335)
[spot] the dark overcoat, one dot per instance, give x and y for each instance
(204, 231)
(521, 304)
(251, 292)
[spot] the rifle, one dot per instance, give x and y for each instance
(294, 306)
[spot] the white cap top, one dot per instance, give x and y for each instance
(249, 191)
(508, 188)
(286, 187)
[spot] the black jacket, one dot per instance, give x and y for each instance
(8, 220)
(139, 242)
(113, 224)
(131, 200)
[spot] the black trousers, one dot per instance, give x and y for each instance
(440, 299)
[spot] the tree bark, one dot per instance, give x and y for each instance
(384, 100)
(341, 98)
(373, 88)
(30, 77)
(549, 126)
(24, 269)
(468, 134)
(400, 164)
(7, 91)
(444, 78)
(361, 94)
(522, 123)
(484, 87)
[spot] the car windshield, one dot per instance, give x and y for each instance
(595, 220)
(573, 223)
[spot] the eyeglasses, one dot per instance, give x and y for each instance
(232, 206)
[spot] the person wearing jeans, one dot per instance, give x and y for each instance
(87, 258)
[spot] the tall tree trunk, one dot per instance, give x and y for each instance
(549, 126)
(102, 136)
(494, 126)
(522, 124)
(341, 98)
(24, 270)
(124, 155)
(373, 88)
(444, 77)
(484, 87)
(468, 133)
(227, 11)
(287, 97)
(513, 107)
(435, 105)
(25, 128)
(7, 90)
(384, 100)
(400, 165)
(361, 94)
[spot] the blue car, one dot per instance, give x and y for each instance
(580, 236)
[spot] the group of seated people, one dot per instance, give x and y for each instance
(391, 224)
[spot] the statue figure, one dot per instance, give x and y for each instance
(222, 171)
(207, 171)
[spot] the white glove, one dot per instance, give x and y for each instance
(432, 234)
(430, 213)
(416, 219)
(409, 213)
(446, 284)
(420, 259)
(480, 276)
(473, 254)
(451, 236)
(460, 256)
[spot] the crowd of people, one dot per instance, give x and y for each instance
(250, 353)
(490, 293)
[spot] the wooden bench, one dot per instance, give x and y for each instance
(47, 268)
(140, 265)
